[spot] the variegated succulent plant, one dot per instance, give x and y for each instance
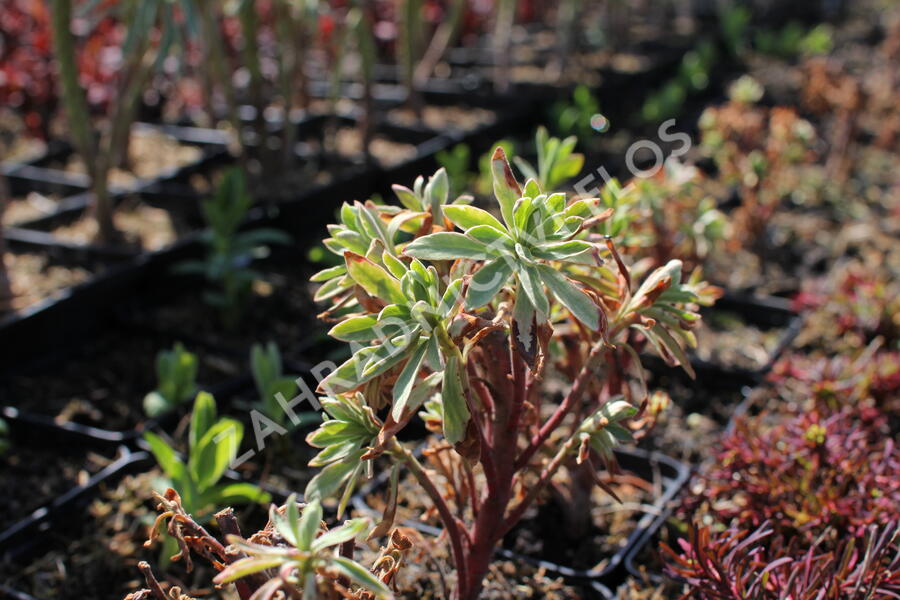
(465, 314)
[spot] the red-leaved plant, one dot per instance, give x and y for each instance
(743, 564)
(814, 474)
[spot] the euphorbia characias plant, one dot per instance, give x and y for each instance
(462, 317)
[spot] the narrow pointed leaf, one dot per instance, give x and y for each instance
(456, 413)
(375, 280)
(309, 523)
(407, 380)
(361, 576)
(570, 296)
(506, 188)
(446, 246)
(348, 531)
(487, 282)
(466, 217)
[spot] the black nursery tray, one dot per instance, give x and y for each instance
(95, 393)
(38, 233)
(643, 464)
(67, 523)
(82, 309)
(64, 320)
(598, 591)
(640, 462)
(41, 465)
(19, 539)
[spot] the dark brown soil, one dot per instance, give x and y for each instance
(549, 531)
(103, 385)
(689, 427)
(32, 476)
(588, 545)
(273, 181)
(281, 311)
(742, 270)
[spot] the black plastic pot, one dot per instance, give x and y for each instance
(44, 329)
(639, 546)
(766, 313)
(84, 308)
(46, 437)
(26, 178)
(641, 462)
(652, 533)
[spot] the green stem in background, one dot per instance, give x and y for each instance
(364, 26)
(567, 18)
(340, 39)
(6, 294)
(79, 119)
(506, 15)
(249, 19)
(217, 71)
(136, 78)
(73, 97)
(289, 66)
(410, 36)
(444, 36)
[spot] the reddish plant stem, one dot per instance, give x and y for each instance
(451, 525)
(487, 529)
(520, 390)
(563, 409)
(151, 580)
(486, 459)
(473, 491)
(228, 525)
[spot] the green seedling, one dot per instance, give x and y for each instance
(557, 160)
(176, 376)
(230, 251)
(271, 383)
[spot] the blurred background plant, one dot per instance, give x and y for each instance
(230, 251)
(176, 376)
